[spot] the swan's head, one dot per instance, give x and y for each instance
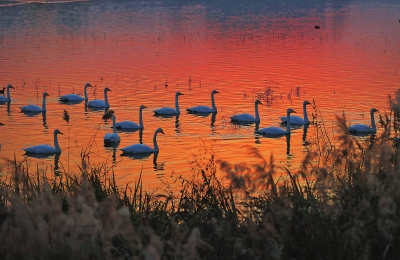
(9, 86)
(87, 85)
(56, 131)
(45, 94)
(106, 89)
(290, 111)
(178, 94)
(306, 103)
(160, 130)
(214, 92)
(142, 106)
(373, 110)
(258, 102)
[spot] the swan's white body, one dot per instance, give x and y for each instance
(98, 103)
(142, 148)
(132, 125)
(75, 97)
(297, 120)
(112, 137)
(35, 108)
(247, 118)
(168, 111)
(275, 131)
(364, 129)
(8, 98)
(205, 109)
(45, 148)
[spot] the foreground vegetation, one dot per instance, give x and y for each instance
(341, 204)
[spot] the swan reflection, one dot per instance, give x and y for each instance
(44, 119)
(288, 144)
(304, 138)
(157, 166)
(213, 117)
(8, 107)
(177, 125)
(113, 148)
(96, 109)
(57, 171)
(166, 116)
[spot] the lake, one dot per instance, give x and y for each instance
(344, 55)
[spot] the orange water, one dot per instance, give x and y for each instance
(350, 64)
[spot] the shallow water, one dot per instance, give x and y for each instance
(350, 64)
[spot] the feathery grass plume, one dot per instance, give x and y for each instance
(63, 221)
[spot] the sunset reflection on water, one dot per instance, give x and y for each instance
(348, 65)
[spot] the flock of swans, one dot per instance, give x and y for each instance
(114, 139)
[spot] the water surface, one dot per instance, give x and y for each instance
(243, 50)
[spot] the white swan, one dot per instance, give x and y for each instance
(75, 97)
(98, 103)
(112, 138)
(205, 109)
(8, 98)
(132, 125)
(364, 129)
(142, 148)
(35, 108)
(168, 111)
(297, 120)
(247, 118)
(276, 131)
(45, 148)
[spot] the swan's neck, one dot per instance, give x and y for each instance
(373, 125)
(305, 114)
(114, 127)
(106, 98)
(155, 142)
(8, 94)
(214, 109)
(44, 103)
(177, 103)
(141, 118)
(56, 145)
(256, 111)
(85, 93)
(288, 123)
